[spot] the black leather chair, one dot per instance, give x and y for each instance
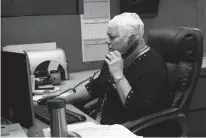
(182, 50)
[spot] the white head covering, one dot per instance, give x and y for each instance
(128, 24)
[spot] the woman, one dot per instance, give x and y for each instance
(133, 78)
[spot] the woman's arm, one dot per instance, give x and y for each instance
(123, 87)
(115, 64)
(80, 95)
(85, 91)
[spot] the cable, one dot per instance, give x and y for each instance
(73, 89)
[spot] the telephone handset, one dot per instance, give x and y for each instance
(132, 45)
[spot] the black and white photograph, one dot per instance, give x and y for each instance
(103, 68)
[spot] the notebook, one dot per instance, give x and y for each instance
(91, 130)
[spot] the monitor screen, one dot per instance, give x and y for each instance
(144, 8)
(16, 95)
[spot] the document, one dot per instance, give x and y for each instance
(28, 47)
(94, 49)
(94, 23)
(12, 130)
(89, 129)
(204, 62)
(46, 92)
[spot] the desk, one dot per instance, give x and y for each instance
(42, 125)
(74, 78)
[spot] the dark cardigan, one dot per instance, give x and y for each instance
(147, 76)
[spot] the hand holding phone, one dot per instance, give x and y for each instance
(132, 45)
(114, 59)
(115, 63)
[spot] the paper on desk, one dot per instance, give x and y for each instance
(41, 92)
(26, 47)
(204, 62)
(71, 127)
(12, 130)
(89, 129)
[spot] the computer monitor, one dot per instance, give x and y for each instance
(16, 95)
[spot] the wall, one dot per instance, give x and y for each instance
(175, 13)
(201, 8)
(197, 115)
(65, 29)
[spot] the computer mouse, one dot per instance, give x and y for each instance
(74, 134)
(42, 101)
(35, 131)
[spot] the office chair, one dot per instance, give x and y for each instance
(182, 50)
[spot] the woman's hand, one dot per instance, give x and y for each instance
(115, 64)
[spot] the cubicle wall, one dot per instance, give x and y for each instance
(197, 115)
(66, 32)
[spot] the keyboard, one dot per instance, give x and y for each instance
(42, 113)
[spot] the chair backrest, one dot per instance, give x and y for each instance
(182, 50)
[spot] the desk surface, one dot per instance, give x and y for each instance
(42, 125)
(74, 78)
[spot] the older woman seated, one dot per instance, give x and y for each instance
(133, 78)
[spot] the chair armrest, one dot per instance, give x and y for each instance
(91, 104)
(181, 119)
(133, 124)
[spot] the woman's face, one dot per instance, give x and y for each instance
(114, 40)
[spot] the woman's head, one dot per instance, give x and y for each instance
(121, 28)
